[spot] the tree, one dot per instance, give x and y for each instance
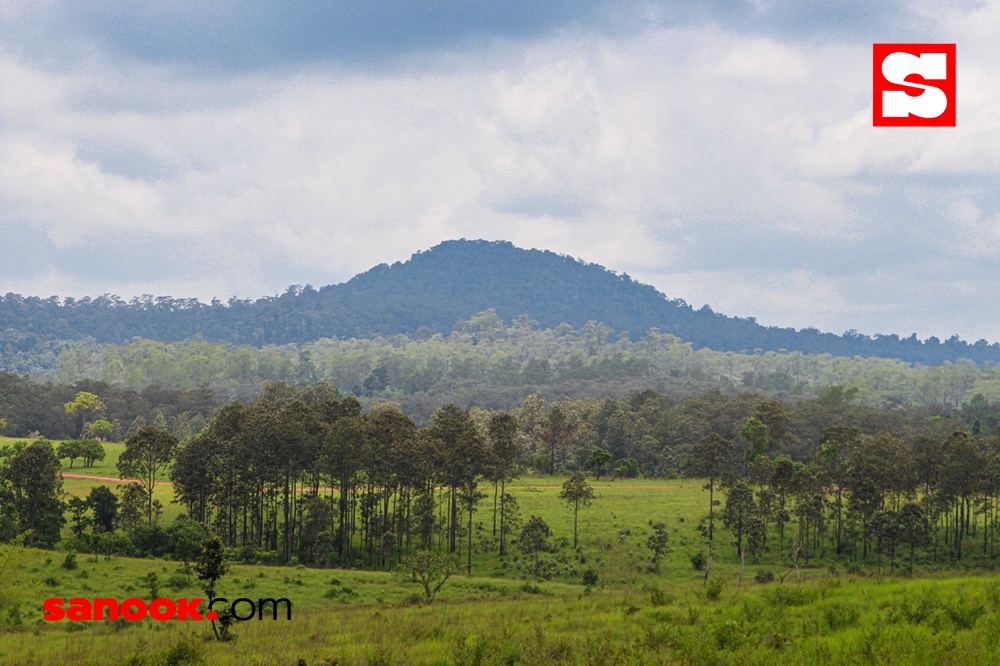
(101, 429)
(599, 462)
(36, 488)
(557, 435)
(464, 461)
(712, 458)
(81, 521)
(104, 504)
(71, 449)
(84, 404)
(132, 504)
(912, 526)
(534, 541)
(756, 434)
(505, 453)
(576, 492)
(834, 446)
(147, 453)
(740, 508)
(91, 451)
(658, 542)
(184, 541)
(210, 567)
(192, 474)
(432, 570)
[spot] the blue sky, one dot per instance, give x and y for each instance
(721, 151)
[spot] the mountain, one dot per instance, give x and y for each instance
(437, 288)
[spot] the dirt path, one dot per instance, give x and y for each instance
(108, 478)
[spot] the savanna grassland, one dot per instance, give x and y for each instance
(628, 614)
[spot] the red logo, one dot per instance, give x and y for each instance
(914, 85)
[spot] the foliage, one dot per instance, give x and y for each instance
(658, 542)
(457, 279)
(147, 453)
(599, 462)
(35, 488)
(432, 570)
(576, 492)
(534, 540)
(210, 567)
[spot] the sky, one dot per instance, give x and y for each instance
(722, 150)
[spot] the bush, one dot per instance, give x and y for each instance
(789, 596)
(185, 651)
(763, 576)
(177, 582)
(714, 589)
(840, 616)
(590, 578)
(698, 561)
(70, 561)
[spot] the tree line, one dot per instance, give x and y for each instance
(499, 363)
(308, 475)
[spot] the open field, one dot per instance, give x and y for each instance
(351, 617)
(834, 611)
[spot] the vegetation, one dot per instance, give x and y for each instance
(433, 290)
(309, 477)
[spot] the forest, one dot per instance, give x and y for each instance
(432, 290)
(487, 363)
(305, 474)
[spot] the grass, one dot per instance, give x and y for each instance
(824, 619)
(631, 616)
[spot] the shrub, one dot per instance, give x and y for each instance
(657, 597)
(714, 589)
(590, 578)
(177, 582)
(840, 616)
(789, 596)
(70, 561)
(698, 561)
(763, 576)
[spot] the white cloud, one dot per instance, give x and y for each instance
(726, 168)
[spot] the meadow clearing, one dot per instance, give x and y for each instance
(628, 614)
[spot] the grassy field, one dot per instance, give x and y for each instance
(631, 616)
(363, 618)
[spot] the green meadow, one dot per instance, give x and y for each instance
(828, 612)
(363, 618)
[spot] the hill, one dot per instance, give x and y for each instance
(432, 291)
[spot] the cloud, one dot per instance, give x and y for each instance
(722, 151)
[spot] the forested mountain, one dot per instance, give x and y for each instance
(432, 291)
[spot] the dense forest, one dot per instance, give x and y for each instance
(29, 408)
(430, 292)
(487, 363)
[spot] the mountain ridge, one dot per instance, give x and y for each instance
(438, 287)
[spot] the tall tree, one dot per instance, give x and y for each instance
(556, 435)
(576, 492)
(84, 404)
(36, 488)
(147, 454)
(506, 451)
(712, 459)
